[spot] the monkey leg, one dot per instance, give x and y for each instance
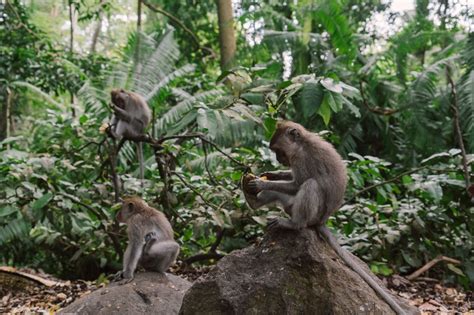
(306, 208)
(267, 197)
(160, 255)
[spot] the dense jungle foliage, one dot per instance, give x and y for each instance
(392, 90)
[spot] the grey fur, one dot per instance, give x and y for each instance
(150, 238)
(312, 192)
(131, 117)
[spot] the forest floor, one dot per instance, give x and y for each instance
(50, 294)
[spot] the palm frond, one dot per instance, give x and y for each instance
(423, 89)
(178, 111)
(38, 91)
(169, 77)
(156, 65)
(15, 229)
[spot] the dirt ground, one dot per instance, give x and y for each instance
(25, 296)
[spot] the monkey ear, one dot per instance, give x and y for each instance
(294, 133)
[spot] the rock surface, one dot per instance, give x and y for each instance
(148, 293)
(289, 272)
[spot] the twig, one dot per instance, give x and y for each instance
(92, 142)
(211, 254)
(430, 264)
(376, 110)
(200, 257)
(195, 191)
(384, 182)
(180, 24)
(206, 165)
(457, 128)
(111, 234)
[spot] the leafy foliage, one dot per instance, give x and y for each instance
(386, 103)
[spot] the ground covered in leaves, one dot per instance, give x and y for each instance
(19, 296)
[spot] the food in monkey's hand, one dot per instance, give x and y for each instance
(103, 127)
(249, 196)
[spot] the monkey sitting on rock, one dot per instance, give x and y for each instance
(311, 191)
(150, 238)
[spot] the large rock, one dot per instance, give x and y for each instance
(289, 272)
(148, 293)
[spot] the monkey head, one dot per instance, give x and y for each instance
(119, 97)
(286, 141)
(130, 206)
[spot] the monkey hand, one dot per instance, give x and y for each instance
(150, 236)
(269, 176)
(273, 223)
(254, 186)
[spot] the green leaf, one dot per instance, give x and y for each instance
(455, 269)
(6, 210)
(325, 111)
(253, 98)
(41, 202)
(83, 119)
(412, 261)
(331, 85)
(310, 98)
(334, 103)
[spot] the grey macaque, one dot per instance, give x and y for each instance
(150, 238)
(310, 192)
(131, 117)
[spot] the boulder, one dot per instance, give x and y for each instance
(148, 293)
(289, 272)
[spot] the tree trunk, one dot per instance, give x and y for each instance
(97, 29)
(71, 49)
(226, 33)
(71, 29)
(7, 95)
(139, 29)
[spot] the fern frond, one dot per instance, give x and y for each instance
(169, 77)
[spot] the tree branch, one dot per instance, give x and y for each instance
(457, 127)
(177, 22)
(376, 110)
(384, 182)
(430, 264)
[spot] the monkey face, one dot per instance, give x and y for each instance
(281, 157)
(126, 212)
(119, 97)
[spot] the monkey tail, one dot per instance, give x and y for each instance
(332, 241)
(140, 161)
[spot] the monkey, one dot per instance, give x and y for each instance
(311, 191)
(131, 117)
(150, 238)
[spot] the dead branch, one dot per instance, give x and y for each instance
(430, 264)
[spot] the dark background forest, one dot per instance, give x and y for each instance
(392, 88)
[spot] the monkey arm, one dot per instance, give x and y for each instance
(284, 186)
(131, 257)
(121, 113)
(278, 175)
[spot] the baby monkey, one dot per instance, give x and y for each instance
(311, 191)
(150, 238)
